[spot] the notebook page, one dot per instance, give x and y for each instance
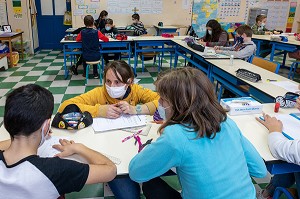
(125, 121)
(289, 86)
(291, 125)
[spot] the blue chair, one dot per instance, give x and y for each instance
(281, 190)
(293, 69)
(91, 63)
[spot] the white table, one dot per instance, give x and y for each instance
(263, 90)
(257, 134)
(108, 142)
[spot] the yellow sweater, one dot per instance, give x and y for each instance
(95, 100)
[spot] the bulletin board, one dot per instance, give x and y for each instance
(170, 12)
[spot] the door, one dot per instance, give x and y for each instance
(50, 16)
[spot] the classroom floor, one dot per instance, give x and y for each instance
(46, 69)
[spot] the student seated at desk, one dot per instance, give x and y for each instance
(137, 25)
(215, 35)
(244, 48)
(23, 174)
(90, 44)
(110, 31)
(118, 96)
(211, 156)
(100, 22)
(283, 149)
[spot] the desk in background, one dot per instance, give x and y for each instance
(9, 36)
(164, 29)
(257, 134)
(115, 46)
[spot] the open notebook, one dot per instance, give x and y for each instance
(125, 121)
(291, 125)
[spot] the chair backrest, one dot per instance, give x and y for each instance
(265, 64)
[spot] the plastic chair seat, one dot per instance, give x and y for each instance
(93, 62)
(90, 63)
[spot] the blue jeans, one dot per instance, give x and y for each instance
(284, 180)
(125, 188)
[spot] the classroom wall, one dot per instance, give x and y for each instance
(297, 18)
(173, 13)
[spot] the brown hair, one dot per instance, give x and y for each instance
(192, 100)
(103, 13)
(109, 21)
(260, 18)
(88, 20)
(136, 16)
(244, 29)
(122, 68)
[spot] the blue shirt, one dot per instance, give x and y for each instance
(206, 168)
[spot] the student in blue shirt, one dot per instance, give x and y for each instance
(211, 156)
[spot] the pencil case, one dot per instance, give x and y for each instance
(248, 75)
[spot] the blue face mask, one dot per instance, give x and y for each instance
(162, 111)
(107, 28)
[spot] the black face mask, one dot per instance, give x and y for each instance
(240, 39)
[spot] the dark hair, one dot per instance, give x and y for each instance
(26, 109)
(88, 20)
(109, 21)
(260, 18)
(102, 14)
(191, 97)
(216, 31)
(136, 16)
(244, 29)
(122, 68)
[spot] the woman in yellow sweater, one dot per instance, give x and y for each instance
(118, 96)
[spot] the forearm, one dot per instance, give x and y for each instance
(4, 144)
(91, 156)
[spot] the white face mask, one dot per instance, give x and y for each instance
(116, 92)
(44, 137)
(209, 32)
(263, 24)
(162, 111)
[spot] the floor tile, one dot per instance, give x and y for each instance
(46, 77)
(19, 73)
(59, 61)
(25, 68)
(54, 68)
(51, 72)
(35, 73)
(77, 82)
(44, 83)
(47, 60)
(60, 77)
(19, 84)
(60, 83)
(57, 90)
(58, 98)
(44, 64)
(6, 74)
(50, 57)
(39, 69)
(150, 86)
(1, 111)
(30, 78)
(3, 92)
(2, 101)
(75, 90)
(13, 79)
(57, 64)
(147, 80)
(68, 96)
(7, 85)
(33, 61)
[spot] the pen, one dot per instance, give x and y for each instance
(271, 80)
(131, 136)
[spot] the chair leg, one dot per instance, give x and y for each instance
(280, 190)
(220, 93)
(87, 74)
(100, 73)
(295, 69)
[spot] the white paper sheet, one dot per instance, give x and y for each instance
(291, 87)
(46, 150)
(291, 125)
(125, 121)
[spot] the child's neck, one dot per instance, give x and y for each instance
(247, 39)
(90, 27)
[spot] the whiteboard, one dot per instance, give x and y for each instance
(170, 12)
(3, 13)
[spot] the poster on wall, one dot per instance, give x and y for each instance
(291, 17)
(17, 9)
(203, 10)
(130, 6)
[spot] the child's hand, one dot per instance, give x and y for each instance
(66, 148)
(126, 108)
(217, 47)
(271, 123)
(219, 51)
(267, 32)
(113, 111)
(298, 103)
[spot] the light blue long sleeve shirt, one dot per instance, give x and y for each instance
(206, 168)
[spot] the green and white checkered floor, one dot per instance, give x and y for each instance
(46, 69)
